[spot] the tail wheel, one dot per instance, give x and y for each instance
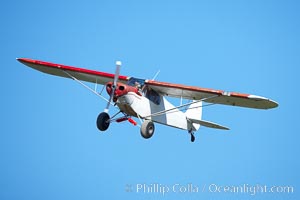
(103, 121)
(147, 129)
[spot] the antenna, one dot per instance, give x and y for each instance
(155, 75)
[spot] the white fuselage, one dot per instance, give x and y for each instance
(140, 106)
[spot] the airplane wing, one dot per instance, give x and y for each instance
(168, 89)
(78, 73)
(211, 96)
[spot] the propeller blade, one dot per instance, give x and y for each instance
(117, 73)
(116, 78)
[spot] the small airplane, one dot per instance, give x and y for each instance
(146, 99)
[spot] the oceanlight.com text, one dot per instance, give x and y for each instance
(249, 189)
(213, 188)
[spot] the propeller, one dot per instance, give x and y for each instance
(114, 86)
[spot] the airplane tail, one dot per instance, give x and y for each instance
(194, 112)
(194, 118)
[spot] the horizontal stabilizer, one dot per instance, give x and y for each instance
(208, 124)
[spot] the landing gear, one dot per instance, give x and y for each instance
(147, 129)
(192, 136)
(103, 121)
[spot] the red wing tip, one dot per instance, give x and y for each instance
(21, 60)
(25, 60)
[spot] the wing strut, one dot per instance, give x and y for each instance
(85, 86)
(181, 106)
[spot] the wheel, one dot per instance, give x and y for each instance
(147, 129)
(103, 121)
(192, 137)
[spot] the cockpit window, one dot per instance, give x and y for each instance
(149, 93)
(136, 82)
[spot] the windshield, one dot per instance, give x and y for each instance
(150, 94)
(136, 82)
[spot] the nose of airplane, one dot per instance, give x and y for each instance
(120, 90)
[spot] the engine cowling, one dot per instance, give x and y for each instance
(121, 89)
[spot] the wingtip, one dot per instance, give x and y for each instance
(275, 104)
(271, 104)
(25, 60)
(266, 103)
(20, 59)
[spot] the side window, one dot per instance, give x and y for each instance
(153, 96)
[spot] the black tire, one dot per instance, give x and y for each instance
(147, 129)
(103, 121)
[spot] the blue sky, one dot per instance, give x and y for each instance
(50, 147)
